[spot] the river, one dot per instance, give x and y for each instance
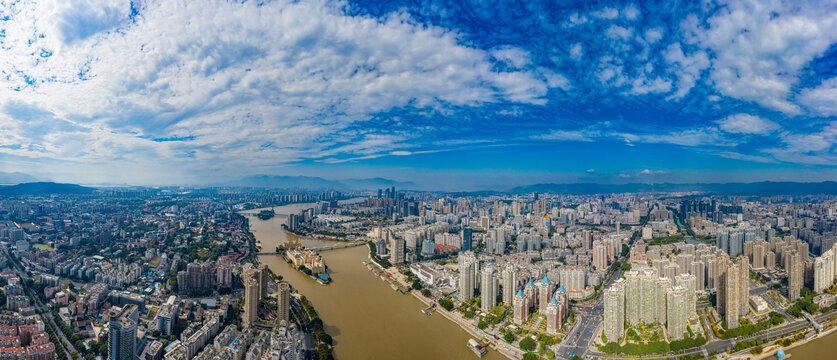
(822, 348)
(366, 318)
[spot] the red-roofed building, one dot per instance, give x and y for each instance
(39, 339)
(8, 330)
(9, 341)
(12, 353)
(444, 249)
(41, 352)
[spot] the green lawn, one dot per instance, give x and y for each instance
(42, 247)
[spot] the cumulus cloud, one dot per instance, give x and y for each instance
(688, 68)
(514, 57)
(576, 51)
(822, 100)
(286, 80)
(759, 47)
(747, 124)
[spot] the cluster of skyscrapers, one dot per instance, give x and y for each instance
(645, 297)
(543, 297)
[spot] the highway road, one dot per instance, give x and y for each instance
(578, 340)
(722, 345)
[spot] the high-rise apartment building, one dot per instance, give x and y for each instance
(633, 299)
(122, 340)
(553, 317)
(264, 277)
(796, 275)
(520, 308)
(699, 272)
(252, 295)
(729, 281)
(661, 294)
(467, 238)
(824, 271)
(649, 289)
(509, 284)
(283, 300)
(544, 293)
(743, 285)
(466, 281)
(398, 251)
(488, 291)
(687, 281)
(614, 311)
(722, 266)
(758, 255)
(676, 311)
(600, 255)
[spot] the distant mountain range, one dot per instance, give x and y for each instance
(767, 188)
(15, 178)
(317, 183)
(755, 188)
(45, 188)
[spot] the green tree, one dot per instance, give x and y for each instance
(530, 356)
(446, 304)
(509, 337)
(528, 344)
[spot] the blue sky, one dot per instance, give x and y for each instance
(446, 94)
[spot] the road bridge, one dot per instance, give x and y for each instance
(321, 248)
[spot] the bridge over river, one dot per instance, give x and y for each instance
(322, 248)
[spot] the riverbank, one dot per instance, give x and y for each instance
(365, 317)
(324, 343)
(821, 336)
(500, 347)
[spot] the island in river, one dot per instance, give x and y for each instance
(266, 214)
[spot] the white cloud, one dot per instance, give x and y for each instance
(694, 137)
(569, 135)
(759, 47)
(643, 85)
(747, 124)
(607, 13)
(576, 51)
(688, 68)
(630, 12)
(818, 148)
(555, 80)
(745, 157)
(822, 100)
(653, 35)
(619, 32)
(274, 82)
(515, 57)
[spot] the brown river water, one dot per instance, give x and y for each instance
(822, 348)
(366, 318)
